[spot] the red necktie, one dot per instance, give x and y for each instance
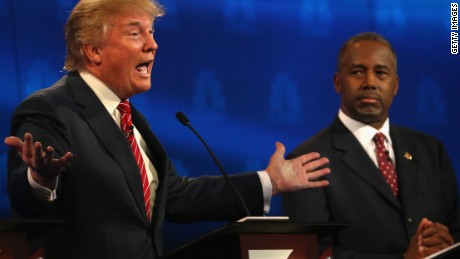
(127, 128)
(385, 165)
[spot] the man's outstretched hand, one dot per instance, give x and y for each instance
(43, 166)
(298, 173)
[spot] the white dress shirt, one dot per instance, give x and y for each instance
(365, 133)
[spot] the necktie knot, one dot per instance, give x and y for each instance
(126, 121)
(124, 107)
(379, 138)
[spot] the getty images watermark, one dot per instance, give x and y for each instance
(454, 28)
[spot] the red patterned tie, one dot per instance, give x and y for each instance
(385, 165)
(127, 128)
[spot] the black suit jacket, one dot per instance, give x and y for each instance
(99, 194)
(380, 224)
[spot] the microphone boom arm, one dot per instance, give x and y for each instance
(183, 119)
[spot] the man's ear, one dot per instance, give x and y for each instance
(93, 53)
(337, 82)
(396, 85)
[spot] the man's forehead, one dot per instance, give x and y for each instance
(132, 16)
(126, 21)
(376, 52)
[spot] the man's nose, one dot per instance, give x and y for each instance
(369, 80)
(150, 44)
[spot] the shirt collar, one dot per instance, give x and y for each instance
(108, 98)
(363, 132)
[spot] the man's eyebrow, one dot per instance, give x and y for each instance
(358, 66)
(136, 24)
(363, 66)
(382, 66)
(133, 23)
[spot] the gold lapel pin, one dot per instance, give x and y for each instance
(407, 156)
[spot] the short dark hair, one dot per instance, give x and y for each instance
(365, 36)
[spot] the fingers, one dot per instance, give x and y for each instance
(28, 145)
(38, 151)
(433, 237)
(311, 162)
(304, 159)
(314, 175)
(436, 235)
(315, 162)
(67, 156)
(298, 173)
(35, 156)
(280, 149)
(25, 148)
(48, 155)
(42, 158)
(423, 224)
(14, 142)
(63, 160)
(317, 184)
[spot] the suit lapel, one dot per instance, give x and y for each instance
(108, 132)
(406, 167)
(356, 158)
(158, 158)
(158, 155)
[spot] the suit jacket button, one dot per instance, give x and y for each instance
(409, 220)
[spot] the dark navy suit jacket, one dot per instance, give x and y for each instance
(380, 224)
(99, 194)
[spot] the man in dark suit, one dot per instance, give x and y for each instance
(415, 217)
(79, 155)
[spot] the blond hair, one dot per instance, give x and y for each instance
(88, 23)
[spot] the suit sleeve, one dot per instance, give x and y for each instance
(450, 199)
(212, 198)
(203, 198)
(37, 116)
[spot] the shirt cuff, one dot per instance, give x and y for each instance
(267, 189)
(40, 192)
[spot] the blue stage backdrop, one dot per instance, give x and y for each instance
(247, 73)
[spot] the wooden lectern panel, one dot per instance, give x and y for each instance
(303, 245)
(13, 246)
(236, 239)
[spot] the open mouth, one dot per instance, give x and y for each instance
(144, 68)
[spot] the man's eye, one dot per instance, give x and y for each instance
(382, 73)
(356, 72)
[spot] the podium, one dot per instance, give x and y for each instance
(18, 237)
(240, 239)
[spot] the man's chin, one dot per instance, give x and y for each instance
(140, 88)
(369, 118)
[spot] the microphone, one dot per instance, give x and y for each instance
(184, 120)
